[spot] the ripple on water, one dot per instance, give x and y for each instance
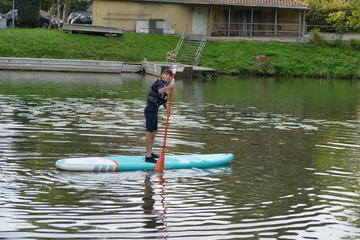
(291, 178)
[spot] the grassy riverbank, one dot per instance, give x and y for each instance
(305, 60)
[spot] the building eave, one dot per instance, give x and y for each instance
(229, 3)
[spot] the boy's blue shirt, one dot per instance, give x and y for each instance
(160, 84)
(151, 107)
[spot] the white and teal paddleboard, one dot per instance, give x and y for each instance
(134, 163)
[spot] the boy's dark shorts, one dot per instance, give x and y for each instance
(151, 117)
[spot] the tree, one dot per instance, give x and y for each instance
(334, 12)
(344, 21)
(52, 12)
(5, 6)
(28, 12)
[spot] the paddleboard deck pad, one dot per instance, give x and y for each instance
(134, 163)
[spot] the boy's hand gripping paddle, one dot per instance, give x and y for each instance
(159, 167)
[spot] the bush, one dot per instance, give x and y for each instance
(335, 42)
(355, 43)
(317, 37)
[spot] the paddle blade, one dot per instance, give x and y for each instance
(159, 167)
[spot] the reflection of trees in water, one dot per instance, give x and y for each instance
(154, 218)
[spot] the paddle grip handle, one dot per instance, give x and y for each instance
(174, 72)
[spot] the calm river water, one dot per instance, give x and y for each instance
(295, 174)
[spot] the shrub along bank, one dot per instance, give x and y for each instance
(304, 60)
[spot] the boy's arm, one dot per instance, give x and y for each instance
(164, 89)
(165, 106)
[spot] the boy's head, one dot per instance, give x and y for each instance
(168, 71)
(167, 75)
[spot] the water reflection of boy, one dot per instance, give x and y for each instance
(148, 205)
(157, 96)
(155, 218)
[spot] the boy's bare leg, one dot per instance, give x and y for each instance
(149, 142)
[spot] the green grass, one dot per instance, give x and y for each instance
(305, 60)
(45, 43)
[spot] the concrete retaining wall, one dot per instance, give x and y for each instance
(61, 65)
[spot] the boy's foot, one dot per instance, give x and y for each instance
(150, 160)
(154, 155)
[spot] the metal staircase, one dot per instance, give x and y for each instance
(188, 51)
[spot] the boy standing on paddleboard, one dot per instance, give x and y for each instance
(157, 96)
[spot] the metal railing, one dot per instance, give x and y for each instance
(171, 55)
(266, 29)
(183, 36)
(257, 29)
(201, 48)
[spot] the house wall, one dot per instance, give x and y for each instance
(123, 15)
(289, 19)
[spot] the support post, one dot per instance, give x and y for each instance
(275, 22)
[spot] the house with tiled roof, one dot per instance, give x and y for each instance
(244, 18)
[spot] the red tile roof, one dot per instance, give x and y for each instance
(259, 3)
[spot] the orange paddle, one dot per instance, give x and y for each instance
(159, 167)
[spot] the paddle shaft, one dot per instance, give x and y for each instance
(167, 120)
(159, 167)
